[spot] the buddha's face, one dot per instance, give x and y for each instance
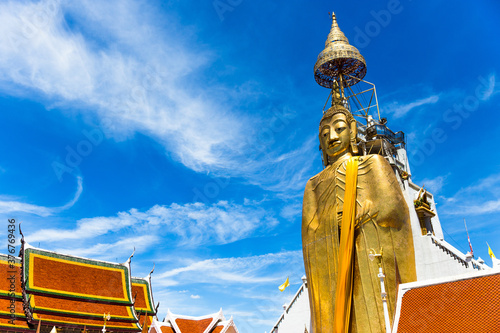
(335, 136)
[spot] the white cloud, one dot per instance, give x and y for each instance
(399, 110)
(130, 70)
(434, 185)
(240, 270)
(287, 173)
(112, 251)
(478, 199)
(492, 206)
(490, 87)
(193, 224)
(11, 206)
(195, 297)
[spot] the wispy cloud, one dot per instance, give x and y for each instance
(240, 270)
(434, 185)
(12, 206)
(112, 251)
(132, 70)
(140, 73)
(490, 84)
(398, 110)
(478, 199)
(191, 224)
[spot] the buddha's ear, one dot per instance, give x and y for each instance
(354, 133)
(324, 155)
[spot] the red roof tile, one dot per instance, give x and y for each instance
(468, 305)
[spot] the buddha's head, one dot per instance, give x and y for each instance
(337, 134)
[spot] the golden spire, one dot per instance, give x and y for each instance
(339, 61)
(335, 35)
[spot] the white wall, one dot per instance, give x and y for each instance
(297, 316)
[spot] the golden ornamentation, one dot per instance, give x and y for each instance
(381, 220)
(339, 61)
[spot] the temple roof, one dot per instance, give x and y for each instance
(466, 303)
(75, 292)
(213, 323)
(143, 299)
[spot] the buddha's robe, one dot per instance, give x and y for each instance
(382, 221)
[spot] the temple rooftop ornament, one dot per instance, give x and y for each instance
(339, 61)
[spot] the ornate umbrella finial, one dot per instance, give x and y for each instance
(339, 61)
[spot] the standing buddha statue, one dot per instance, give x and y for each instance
(351, 208)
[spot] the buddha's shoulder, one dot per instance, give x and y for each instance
(372, 158)
(374, 162)
(314, 180)
(367, 161)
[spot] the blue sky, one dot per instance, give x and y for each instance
(189, 129)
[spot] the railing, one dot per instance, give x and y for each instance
(382, 130)
(297, 294)
(451, 251)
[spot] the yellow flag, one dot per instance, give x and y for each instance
(492, 255)
(284, 285)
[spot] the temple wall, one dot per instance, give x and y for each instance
(434, 257)
(297, 316)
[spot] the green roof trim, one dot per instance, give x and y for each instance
(32, 289)
(149, 294)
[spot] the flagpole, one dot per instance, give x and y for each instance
(468, 238)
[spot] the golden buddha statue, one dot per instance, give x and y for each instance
(380, 221)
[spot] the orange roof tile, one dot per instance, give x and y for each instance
(468, 305)
(76, 322)
(217, 329)
(11, 295)
(167, 329)
(141, 320)
(10, 269)
(50, 273)
(214, 323)
(141, 291)
(20, 325)
(193, 326)
(231, 329)
(6, 305)
(39, 303)
(76, 292)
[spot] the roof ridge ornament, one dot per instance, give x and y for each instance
(129, 260)
(149, 275)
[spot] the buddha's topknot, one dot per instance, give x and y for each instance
(337, 109)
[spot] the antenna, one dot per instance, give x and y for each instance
(468, 238)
